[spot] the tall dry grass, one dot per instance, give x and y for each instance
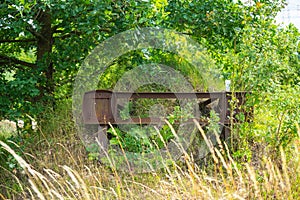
(60, 170)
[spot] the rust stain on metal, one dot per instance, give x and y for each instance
(100, 106)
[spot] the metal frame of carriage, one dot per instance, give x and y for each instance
(100, 107)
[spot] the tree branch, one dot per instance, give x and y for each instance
(78, 33)
(36, 34)
(7, 60)
(13, 41)
(68, 35)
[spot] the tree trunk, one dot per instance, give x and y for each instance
(44, 50)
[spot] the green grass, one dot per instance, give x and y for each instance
(55, 165)
(61, 171)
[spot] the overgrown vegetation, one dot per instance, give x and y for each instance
(42, 45)
(56, 166)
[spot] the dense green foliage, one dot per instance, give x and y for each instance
(43, 42)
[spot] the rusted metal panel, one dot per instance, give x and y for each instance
(88, 109)
(96, 107)
(100, 106)
(161, 95)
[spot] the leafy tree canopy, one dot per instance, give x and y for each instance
(43, 42)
